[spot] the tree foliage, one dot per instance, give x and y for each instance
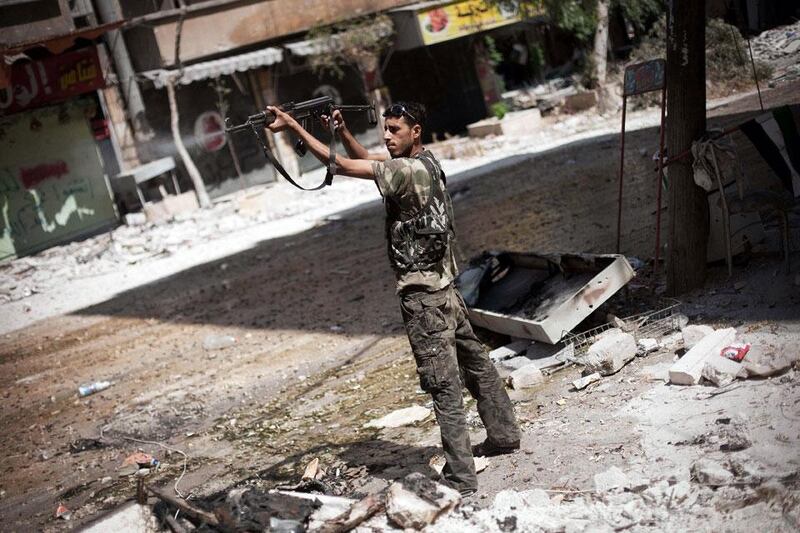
(579, 17)
(359, 42)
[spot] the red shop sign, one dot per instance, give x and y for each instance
(52, 80)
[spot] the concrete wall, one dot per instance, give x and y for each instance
(52, 184)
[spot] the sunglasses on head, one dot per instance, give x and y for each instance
(398, 110)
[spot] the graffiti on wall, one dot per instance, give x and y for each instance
(52, 187)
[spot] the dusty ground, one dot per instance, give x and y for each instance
(320, 351)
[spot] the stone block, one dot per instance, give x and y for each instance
(575, 103)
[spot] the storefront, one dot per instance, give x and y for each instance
(53, 180)
(443, 59)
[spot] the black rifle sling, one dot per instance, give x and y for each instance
(282, 171)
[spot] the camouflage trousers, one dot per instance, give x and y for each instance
(446, 352)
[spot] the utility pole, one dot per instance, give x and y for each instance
(686, 122)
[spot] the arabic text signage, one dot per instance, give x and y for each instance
(52, 80)
(458, 19)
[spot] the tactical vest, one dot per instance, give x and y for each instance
(419, 241)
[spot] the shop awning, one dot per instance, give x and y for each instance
(216, 68)
(9, 52)
(321, 45)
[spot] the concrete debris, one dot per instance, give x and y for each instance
(735, 436)
(716, 376)
(695, 333)
(526, 377)
(611, 479)
(132, 518)
(610, 353)
(646, 346)
(400, 417)
(765, 361)
(585, 381)
(780, 48)
(712, 473)
(689, 368)
(417, 501)
(132, 243)
(509, 350)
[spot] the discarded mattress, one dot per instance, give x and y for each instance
(539, 297)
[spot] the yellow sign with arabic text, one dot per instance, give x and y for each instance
(442, 23)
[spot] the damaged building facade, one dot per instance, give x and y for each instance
(100, 71)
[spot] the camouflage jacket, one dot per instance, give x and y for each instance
(419, 221)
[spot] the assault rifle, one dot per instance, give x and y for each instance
(303, 112)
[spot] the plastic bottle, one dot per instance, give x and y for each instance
(97, 386)
(217, 342)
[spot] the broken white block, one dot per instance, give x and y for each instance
(129, 517)
(694, 334)
(647, 345)
(401, 417)
(611, 479)
(481, 463)
(688, 369)
(417, 501)
(611, 352)
(721, 371)
(585, 381)
(527, 376)
(711, 473)
(509, 350)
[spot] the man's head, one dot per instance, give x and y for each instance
(403, 123)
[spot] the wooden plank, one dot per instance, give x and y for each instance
(688, 369)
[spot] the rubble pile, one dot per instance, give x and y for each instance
(780, 48)
(125, 245)
(734, 492)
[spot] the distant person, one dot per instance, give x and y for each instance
(419, 231)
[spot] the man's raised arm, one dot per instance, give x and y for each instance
(351, 145)
(353, 167)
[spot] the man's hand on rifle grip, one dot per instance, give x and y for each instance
(338, 120)
(282, 120)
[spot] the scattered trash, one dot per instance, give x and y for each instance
(62, 512)
(400, 417)
(141, 460)
(218, 342)
(736, 352)
(97, 386)
(585, 381)
(336, 328)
